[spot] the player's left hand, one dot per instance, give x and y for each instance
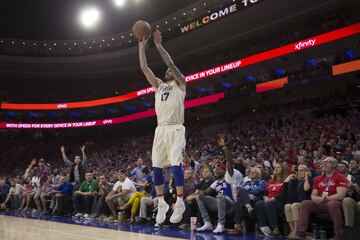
(157, 37)
(143, 42)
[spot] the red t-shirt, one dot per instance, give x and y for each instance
(329, 184)
(274, 188)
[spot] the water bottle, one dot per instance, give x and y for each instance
(322, 235)
(314, 231)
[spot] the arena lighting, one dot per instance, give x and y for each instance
(89, 17)
(119, 3)
(280, 71)
(95, 123)
(251, 78)
(350, 54)
(260, 57)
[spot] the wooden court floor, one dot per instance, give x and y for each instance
(16, 228)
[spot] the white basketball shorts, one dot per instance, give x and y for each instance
(169, 143)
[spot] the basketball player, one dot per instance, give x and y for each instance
(169, 140)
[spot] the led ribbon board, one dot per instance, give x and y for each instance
(346, 68)
(271, 85)
(277, 52)
(95, 123)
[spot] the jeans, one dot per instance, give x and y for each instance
(99, 206)
(267, 213)
(220, 204)
(82, 204)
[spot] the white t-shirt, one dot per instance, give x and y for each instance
(127, 185)
(35, 182)
(236, 178)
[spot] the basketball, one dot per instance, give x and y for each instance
(141, 29)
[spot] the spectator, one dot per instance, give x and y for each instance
(251, 192)
(146, 184)
(267, 210)
(135, 199)
(123, 189)
(99, 208)
(221, 204)
(62, 194)
(4, 190)
(136, 172)
(264, 175)
(352, 202)
(298, 188)
(44, 174)
(27, 193)
(14, 195)
(84, 197)
(232, 175)
(343, 168)
(354, 167)
(328, 191)
(77, 171)
(189, 189)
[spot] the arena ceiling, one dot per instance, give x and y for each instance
(264, 18)
(58, 19)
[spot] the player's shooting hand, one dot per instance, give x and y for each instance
(157, 38)
(143, 42)
(62, 149)
(82, 148)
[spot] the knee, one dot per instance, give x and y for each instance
(347, 201)
(158, 176)
(198, 198)
(220, 197)
(334, 204)
(288, 208)
(259, 204)
(305, 204)
(295, 207)
(178, 173)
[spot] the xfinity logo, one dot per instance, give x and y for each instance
(309, 43)
(109, 121)
(59, 106)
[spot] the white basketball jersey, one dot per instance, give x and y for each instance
(169, 104)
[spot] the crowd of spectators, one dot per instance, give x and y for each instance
(278, 160)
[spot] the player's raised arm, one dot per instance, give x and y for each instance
(154, 81)
(179, 78)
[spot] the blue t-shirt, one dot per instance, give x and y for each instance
(222, 187)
